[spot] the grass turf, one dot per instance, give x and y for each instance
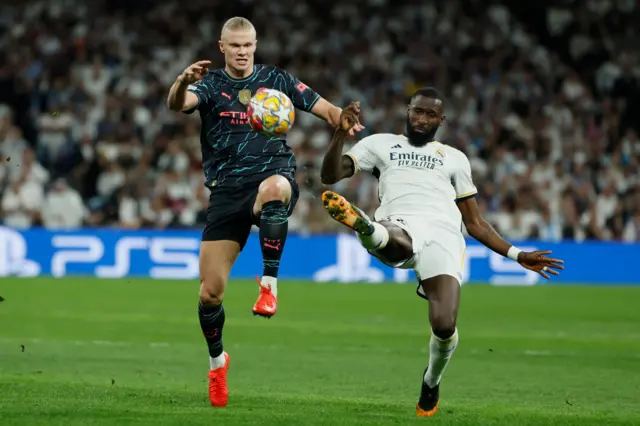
(120, 352)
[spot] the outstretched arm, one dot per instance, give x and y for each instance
(331, 114)
(327, 111)
(306, 99)
(482, 231)
(335, 165)
(180, 99)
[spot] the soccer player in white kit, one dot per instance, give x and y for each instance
(426, 193)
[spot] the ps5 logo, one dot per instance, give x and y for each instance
(175, 257)
(354, 263)
(13, 255)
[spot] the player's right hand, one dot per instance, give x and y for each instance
(195, 72)
(350, 117)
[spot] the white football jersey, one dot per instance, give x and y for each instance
(414, 181)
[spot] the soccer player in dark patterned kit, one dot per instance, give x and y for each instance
(251, 177)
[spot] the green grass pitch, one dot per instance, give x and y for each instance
(130, 352)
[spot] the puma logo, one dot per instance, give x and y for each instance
(272, 244)
(211, 334)
(226, 96)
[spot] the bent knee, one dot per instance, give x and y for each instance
(398, 237)
(274, 188)
(443, 326)
(208, 298)
(212, 290)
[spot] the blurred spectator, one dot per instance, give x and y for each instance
(543, 100)
(13, 144)
(22, 202)
(63, 207)
(28, 168)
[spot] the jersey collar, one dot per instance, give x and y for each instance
(226, 74)
(404, 133)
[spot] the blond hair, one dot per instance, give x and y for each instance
(237, 23)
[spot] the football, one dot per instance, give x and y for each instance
(271, 112)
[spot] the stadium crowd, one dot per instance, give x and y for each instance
(544, 104)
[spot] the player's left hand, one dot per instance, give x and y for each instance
(349, 119)
(537, 261)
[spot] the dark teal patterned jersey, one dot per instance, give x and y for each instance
(232, 153)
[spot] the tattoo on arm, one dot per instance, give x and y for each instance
(490, 238)
(487, 233)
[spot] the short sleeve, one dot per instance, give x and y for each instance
(203, 89)
(462, 180)
(363, 155)
(302, 96)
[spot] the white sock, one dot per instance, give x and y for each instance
(377, 240)
(270, 281)
(217, 362)
(440, 352)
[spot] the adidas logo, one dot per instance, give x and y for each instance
(396, 146)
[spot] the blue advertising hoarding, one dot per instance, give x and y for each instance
(111, 253)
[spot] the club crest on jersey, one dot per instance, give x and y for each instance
(244, 96)
(440, 153)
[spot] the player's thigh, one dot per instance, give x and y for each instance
(439, 271)
(229, 214)
(225, 234)
(400, 246)
(443, 293)
(216, 260)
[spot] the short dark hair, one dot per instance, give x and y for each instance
(427, 92)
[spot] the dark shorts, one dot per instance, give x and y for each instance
(230, 213)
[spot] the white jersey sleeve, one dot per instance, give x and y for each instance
(363, 154)
(462, 180)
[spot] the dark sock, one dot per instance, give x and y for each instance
(211, 322)
(273, 233)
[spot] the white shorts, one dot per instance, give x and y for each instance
(437, 250)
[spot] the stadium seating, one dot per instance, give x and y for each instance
(543, 103)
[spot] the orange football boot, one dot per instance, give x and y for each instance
(267, 303)
(346, 213)
(427, 405)
(218, 391)
(426, 413)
